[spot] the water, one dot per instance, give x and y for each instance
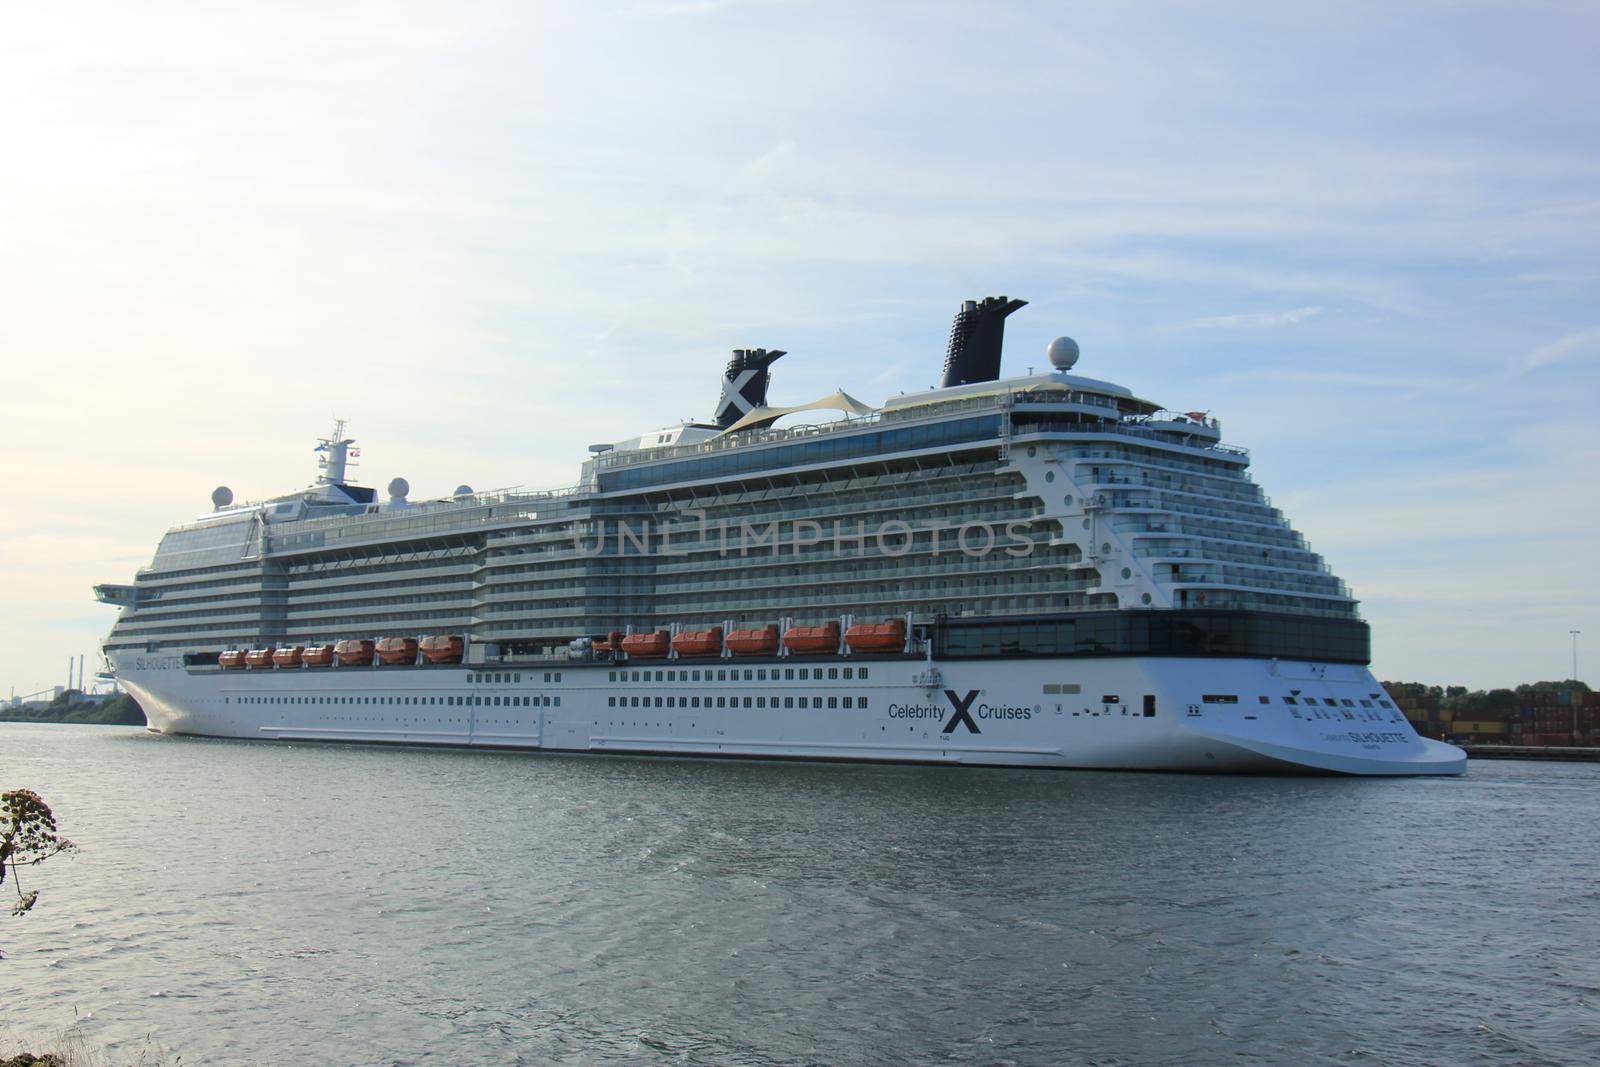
(270, 903)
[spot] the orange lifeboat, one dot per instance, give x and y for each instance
(698, 642)
(647, 645)
(763, 642)
(611, 642)
(443, 648)
(318, 656)
(288, 657)
(231, 659)
(397, 650)
(259, 657)
(877, 636)
(353, 652)
(824, 638)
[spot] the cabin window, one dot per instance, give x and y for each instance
(862, 674)
(1149, 705)
(1220, 698)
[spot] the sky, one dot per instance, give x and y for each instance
(1365, 236)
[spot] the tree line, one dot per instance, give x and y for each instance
(1460, 699)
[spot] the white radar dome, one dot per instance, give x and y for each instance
(463, 490)
(398, 488)
(1063, 353)
(221, 497)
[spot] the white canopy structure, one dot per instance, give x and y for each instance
(838, 400)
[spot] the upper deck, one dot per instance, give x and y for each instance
(1081, 495)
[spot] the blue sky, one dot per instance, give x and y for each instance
(1365, 236)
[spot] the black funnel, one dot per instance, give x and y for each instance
(744, 384)
(976, 338)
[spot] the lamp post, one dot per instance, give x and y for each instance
(1574, 696)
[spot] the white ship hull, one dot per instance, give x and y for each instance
(1069, 713)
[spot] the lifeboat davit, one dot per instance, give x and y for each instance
(824, 638)
(698, 642)
(647, 645)
(877, 636)
(318, 656)
(354, 652)
(231, 659)
(288, 657)
(397, 650)
(762, 642)
(443, 648)
(259, 657)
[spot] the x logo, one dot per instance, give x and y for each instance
(962, 717)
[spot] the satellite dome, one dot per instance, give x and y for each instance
(221, 497)
(463, 490)
(1063, 353)
(398, 488)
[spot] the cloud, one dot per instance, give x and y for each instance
(1253, 321)
(1580, 343)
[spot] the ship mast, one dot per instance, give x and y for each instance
(334, 455)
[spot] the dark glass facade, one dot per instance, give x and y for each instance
(737, 461)
(1256, 635)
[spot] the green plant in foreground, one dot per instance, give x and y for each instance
(27, 838)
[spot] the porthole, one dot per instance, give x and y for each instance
(1105, 548)
(1032, 451)
(1049, 476)
(1067, 500)
(1085, 524)
(1144, 598)
(1127, 573)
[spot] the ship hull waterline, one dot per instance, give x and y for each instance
(1120, 713)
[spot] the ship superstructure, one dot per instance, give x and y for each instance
(1051, 544)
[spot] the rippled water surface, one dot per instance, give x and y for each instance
(273, 903)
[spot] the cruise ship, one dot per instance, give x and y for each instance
(1043, 570)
